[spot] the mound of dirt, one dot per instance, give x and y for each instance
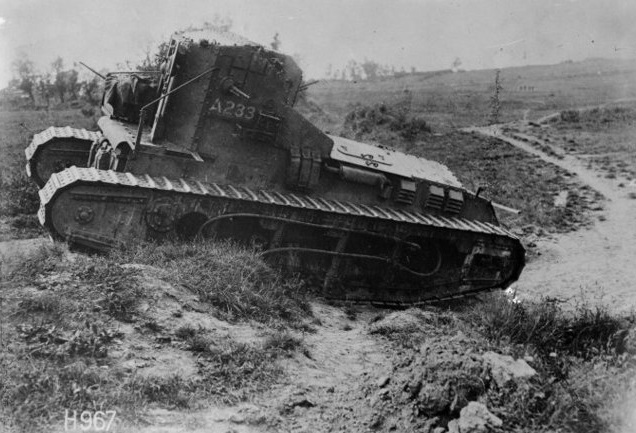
(433, 380)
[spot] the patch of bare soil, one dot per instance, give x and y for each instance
(594, 263)
(326, 388)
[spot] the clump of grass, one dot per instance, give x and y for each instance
(111, 286)
(102, 283)
(584, 332)
(410, 328)
(365, 121)
(36, 393)
(233, 371)
(41, 303)
(571, 116)
(185, 332)
(283, 342)
(18, 194)
(351, 312)
(576, 352)
(200, 343)
(233, 279)
(172, 391)
(46, 258)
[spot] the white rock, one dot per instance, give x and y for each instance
(504, 368)
(453, 426)
(561, 200)
(475, 418)
(630, 341)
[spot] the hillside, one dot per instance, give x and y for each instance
(461, 99)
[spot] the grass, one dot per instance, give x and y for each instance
(19, 202)
(461, 99)
(584, 333)
(579, 356)
(61, 320)
(233, 279)
(583, 372)
(603, 136)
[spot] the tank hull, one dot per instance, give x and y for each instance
(353, 252)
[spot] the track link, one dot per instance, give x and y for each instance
(356, 252)
(57, 148)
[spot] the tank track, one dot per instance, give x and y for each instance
(357, 252)
(57, 148)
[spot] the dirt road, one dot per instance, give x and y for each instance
(598, 263)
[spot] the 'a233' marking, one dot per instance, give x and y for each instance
(232, 109)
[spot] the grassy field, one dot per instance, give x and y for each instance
(449, 100)
(604, 137)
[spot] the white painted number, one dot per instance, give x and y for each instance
(229, 106)
(232, 109)
(98, 421)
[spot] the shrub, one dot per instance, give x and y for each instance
(364, 122)
(18, 194)
(570, 116)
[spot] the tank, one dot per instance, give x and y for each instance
(210, 146)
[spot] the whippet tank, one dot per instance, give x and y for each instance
(210, 146)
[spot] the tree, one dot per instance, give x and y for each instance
(44, 88)
(90, 90)
(370, 69)
(353, 69)
(152, 62)
(219, 23)
(330, 72)
(456, 64)
(71, 77)
(495, 104)
(60, 81)
(24, 69)
(275, 43)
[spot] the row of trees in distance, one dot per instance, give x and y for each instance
(57, 84)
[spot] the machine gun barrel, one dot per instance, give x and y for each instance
(92, 70)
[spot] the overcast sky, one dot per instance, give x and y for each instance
(426, 34)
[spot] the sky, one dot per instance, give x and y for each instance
(425, 34)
